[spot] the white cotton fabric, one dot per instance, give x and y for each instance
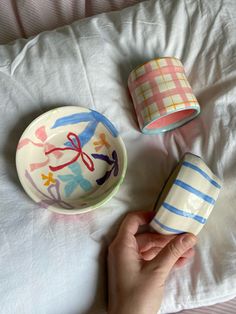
(24, 18)
(51, 263)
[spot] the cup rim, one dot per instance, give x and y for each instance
(172, 126)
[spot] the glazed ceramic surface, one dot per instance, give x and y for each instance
(162, 96)
(71, 160)
(187, 199)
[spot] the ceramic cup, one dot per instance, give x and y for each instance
(162, 96)
(187, 199)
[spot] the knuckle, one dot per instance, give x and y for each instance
(110, 247)
(174, 250)
(129, 217)
(160, 273)
(154, 243)
(114, 248)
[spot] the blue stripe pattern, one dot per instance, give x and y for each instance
(204, 174)
(190, 189)
(167, 228)
(179, 212)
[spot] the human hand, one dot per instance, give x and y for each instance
(138, 265)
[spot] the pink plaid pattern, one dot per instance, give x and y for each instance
(160, 87)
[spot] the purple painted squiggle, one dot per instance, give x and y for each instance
(113, 162)
(54, 192)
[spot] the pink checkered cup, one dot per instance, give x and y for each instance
(162, 96)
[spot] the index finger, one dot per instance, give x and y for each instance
(134, 220)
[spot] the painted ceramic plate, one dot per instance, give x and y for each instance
(71, 160)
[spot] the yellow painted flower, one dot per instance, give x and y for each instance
(102, 142)
(48, 179)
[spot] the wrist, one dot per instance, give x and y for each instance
(124, 308)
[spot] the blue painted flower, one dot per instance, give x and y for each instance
(113, 162)
(74, 180)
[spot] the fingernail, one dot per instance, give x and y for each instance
(189, 240)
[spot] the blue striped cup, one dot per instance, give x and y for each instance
(187, 199)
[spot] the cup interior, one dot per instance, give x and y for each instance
(171, 119)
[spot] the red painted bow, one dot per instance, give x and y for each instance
(76, 146)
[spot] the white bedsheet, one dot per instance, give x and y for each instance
(52, 263)
(31, 17)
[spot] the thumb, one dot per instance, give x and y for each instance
(169, 255)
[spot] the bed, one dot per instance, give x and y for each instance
(52, 263)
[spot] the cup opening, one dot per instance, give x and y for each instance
(171, 119)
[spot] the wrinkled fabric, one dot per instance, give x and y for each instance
(52, 263)
(25, 18)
